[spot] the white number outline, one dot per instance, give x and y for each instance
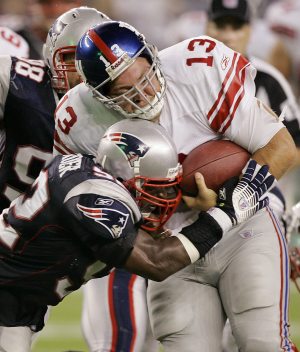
(29, 207)
(33, 69)
(21, 167)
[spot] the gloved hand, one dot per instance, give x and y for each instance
(237, 201)
(241, 199)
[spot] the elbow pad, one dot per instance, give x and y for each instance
(204, 233)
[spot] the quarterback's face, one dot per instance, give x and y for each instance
(72, 76)
(233, 33)
(134, 77)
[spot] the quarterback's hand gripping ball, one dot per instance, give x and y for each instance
(241, 199)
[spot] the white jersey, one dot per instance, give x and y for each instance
(80, 122)
(210, 95)
(11, 43)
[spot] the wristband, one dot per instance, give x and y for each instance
(204, 233)
(189, 247)
(221, 218)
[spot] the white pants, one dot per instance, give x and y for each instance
(244, 277)
(15, 339)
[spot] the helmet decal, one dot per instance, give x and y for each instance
(132, 147)
(62, 39)
(105, 52)
(112, 219)
(55, 30)
(141, 154)
(100, 44)
(114, 58)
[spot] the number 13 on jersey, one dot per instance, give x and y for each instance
(199, 44)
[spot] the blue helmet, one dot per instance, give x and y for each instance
(105, 52)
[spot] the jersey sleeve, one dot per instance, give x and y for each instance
(104, 217)
(233, 110)
(5, 66)
(218, 89)
(80, 122)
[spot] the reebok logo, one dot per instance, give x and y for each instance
(222, 193)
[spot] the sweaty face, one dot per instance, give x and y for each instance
(157, 199)
(73, 77)
(231, 31)
(137, 87)
(65, 76)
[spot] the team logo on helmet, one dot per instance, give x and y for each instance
(55, 30)
(113, 220)
(130, 145)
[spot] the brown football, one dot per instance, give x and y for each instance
(216, 160)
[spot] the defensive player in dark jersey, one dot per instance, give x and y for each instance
(77, 222)
(29, 93)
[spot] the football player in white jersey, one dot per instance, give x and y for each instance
(232, 24)
(11, 43)
(78, 221)
(201, 91)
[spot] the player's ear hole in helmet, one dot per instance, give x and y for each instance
(141, 154)
(105, 52)
(63, 36)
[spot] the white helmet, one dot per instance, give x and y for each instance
(141, 154)
(62, 39)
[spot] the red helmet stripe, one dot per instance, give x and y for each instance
(102, 46)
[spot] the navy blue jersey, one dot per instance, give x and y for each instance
(75, 223)
(28, 125)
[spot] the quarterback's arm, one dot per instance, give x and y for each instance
(239, 116)
(260, 131)
(280, 153)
